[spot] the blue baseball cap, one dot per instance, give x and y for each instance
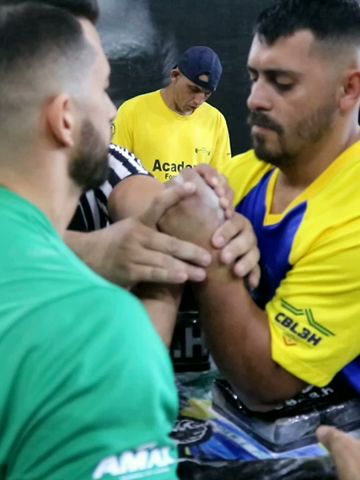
(197, 61)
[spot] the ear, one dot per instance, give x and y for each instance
(350, 91)
(174, 74)
(60, 118)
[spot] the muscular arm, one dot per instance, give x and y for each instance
(237, 330)
(158, 260)
(162, 304)
(239, 338)
(133, 251)
(132, 196)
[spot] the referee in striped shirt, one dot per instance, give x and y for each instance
(92, 212)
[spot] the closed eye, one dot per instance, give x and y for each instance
(282, 82)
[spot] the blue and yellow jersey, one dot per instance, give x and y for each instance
(310, 260)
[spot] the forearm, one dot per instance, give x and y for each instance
(162, 304)
(161, 301)
(239, 338)
(132, 196)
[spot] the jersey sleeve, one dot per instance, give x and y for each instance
(92, 210)
(222, 151)
(95, 399)
(314, 315)
(122, 164)
(123, 127)
(243, 173)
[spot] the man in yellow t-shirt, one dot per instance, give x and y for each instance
(174, 128)
(299, 189)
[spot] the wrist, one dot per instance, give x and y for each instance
(89, 247)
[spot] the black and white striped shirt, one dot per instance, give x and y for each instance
(92, 211)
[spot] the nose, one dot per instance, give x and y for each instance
(259, 97)
(112, 110)
(200, 98)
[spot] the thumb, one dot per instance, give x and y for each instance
(344, 449)
(339, 444)
(165, 200)
(328, 436)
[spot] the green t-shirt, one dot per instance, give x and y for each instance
(87, 389)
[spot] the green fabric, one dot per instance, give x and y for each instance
(87, 388)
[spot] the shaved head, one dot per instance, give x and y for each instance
(88, 9)
(43, 52)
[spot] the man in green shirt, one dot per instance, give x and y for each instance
(87, 389)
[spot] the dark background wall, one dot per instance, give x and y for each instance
(143, 39)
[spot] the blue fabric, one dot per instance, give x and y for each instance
(275, 241)
(197, 61)
(352, 374)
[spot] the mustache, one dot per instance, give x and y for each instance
(261, 120)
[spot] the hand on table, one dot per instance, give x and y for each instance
(344, 449)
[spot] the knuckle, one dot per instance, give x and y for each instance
(176, 247)
(156, 274)
(222, 179)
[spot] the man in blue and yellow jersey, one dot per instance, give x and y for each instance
(175, 128)
(299, 188)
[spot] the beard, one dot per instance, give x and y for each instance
(262, 151)
(291, 143)
(89, 167)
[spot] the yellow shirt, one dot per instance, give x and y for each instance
(310, 258)
(165, 141)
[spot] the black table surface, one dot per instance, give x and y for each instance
(284, 469)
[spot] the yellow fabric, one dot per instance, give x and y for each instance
(314, 314)
(243, 172)
(166, 141)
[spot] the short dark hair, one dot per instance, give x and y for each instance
(29, 31)
(43, 52)
(328, 20)
(88, 9)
